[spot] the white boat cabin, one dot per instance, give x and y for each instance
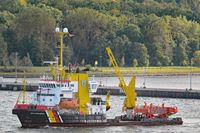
(50, 92)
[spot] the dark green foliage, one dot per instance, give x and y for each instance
(196, 59)
(140, 32)
(34, 32)
(141, 54)
(3, 52)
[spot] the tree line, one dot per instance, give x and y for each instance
(140, 32)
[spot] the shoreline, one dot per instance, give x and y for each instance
(36, 75)
(36, 72)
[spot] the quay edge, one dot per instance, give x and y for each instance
(114, 90)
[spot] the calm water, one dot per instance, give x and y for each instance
(189, 110)
(174, 82)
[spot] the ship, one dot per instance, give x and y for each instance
(64, 99)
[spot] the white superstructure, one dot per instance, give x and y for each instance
(50, 92)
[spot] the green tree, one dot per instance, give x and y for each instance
(180, 56)
(89, 27)
(193, 45)
(164, 27)
(67, 55)
(62, 5)
(35, 25)
(26, 61)
(54, 12)
(133, 32)
(141, 54)
(196, 59)
(135, 62)
(180, 53)
(36, 2)
(12, 6)
(158, 39)
(6, 19)
(119, 47)
(3, 52)
(156, 55)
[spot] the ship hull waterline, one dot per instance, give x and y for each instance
(36, 119)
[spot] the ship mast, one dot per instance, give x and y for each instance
(61, 33)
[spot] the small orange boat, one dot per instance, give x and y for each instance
(68, 104)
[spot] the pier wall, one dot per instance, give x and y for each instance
(153, 92)
(114, 90)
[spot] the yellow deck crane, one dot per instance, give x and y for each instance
(130, 100)
(22, 99)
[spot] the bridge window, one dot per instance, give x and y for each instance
(72, 85)
(51, 85)
(54, 86)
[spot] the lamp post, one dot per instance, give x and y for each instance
(190, 74)
(100, 60)
(101, 70)
(16, 54)
(145, 76)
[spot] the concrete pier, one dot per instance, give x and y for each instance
(153, 92)
(12, 86)
(114, 90)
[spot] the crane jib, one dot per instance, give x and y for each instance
(130, 101)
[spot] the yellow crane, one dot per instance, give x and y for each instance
(130, 100)
(133, 112)
(23, 95)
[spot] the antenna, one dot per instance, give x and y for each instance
(52, 71)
